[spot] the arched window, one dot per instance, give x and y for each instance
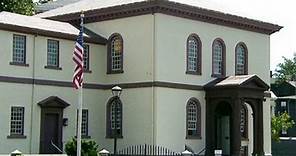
(193, 55)
(218, 58)
(115, 54)
(241, 59)
(244, 122)
(114, 110)
(193, 119)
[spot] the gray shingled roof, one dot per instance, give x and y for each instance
(87, 5)
(53, 5)
(237, 81)
(37, 23)
(234, 80)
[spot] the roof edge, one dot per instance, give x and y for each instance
(35, 31)
(174, 9)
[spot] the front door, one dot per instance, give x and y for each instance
(225, 135)
(51, 132)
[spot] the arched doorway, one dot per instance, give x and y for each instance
(222, 120)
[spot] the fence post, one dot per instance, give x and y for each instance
(103, 152)
(16, 153)
(186, 153)
(218, 152)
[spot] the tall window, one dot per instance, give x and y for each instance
(114, 110)
(17, 121)
(244, 122)
(218, 58)
(193, 55)
(52, 53)
(115, 54)
(193, 119)
(86, 58)
(19, 49)
(84, 123)
(241, 58)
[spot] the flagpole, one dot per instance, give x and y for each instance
(80, 99)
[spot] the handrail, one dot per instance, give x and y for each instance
(201, 151)
(55, 146)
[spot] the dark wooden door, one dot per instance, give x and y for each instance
(51, 140)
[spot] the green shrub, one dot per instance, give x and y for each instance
(88, 147)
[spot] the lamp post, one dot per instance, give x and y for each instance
(116, 91)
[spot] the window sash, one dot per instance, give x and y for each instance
(112, 116)
(240, 60)
(86, 57)
(192, 54)
(19, 49)
(218, 58)
(17, 121)
(116, 54)
(53, 53)
(84, 123)
(192, 116)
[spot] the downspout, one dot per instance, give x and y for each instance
(33, 92)
(154, 128)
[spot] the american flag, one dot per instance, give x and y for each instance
(78, 60)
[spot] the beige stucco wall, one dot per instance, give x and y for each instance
(6, 40)
(137, 115)
(136, 128)
(170, 118)
(154, 49)
(14, 95)
(170, 49)
(66, 47)
(38, 44)
(137, 46)
(171, 34)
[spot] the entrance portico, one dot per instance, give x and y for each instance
(224, 100)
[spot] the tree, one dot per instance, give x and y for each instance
(286, 71)
(279, 123)
(25, 7)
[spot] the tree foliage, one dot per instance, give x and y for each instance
(25, 7)
(286, 71)
(280, 122)
(88, 147)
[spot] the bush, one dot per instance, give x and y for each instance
(88, 147)
(280, 122)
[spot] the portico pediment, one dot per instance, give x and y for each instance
(236, 82)
(53, 102)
